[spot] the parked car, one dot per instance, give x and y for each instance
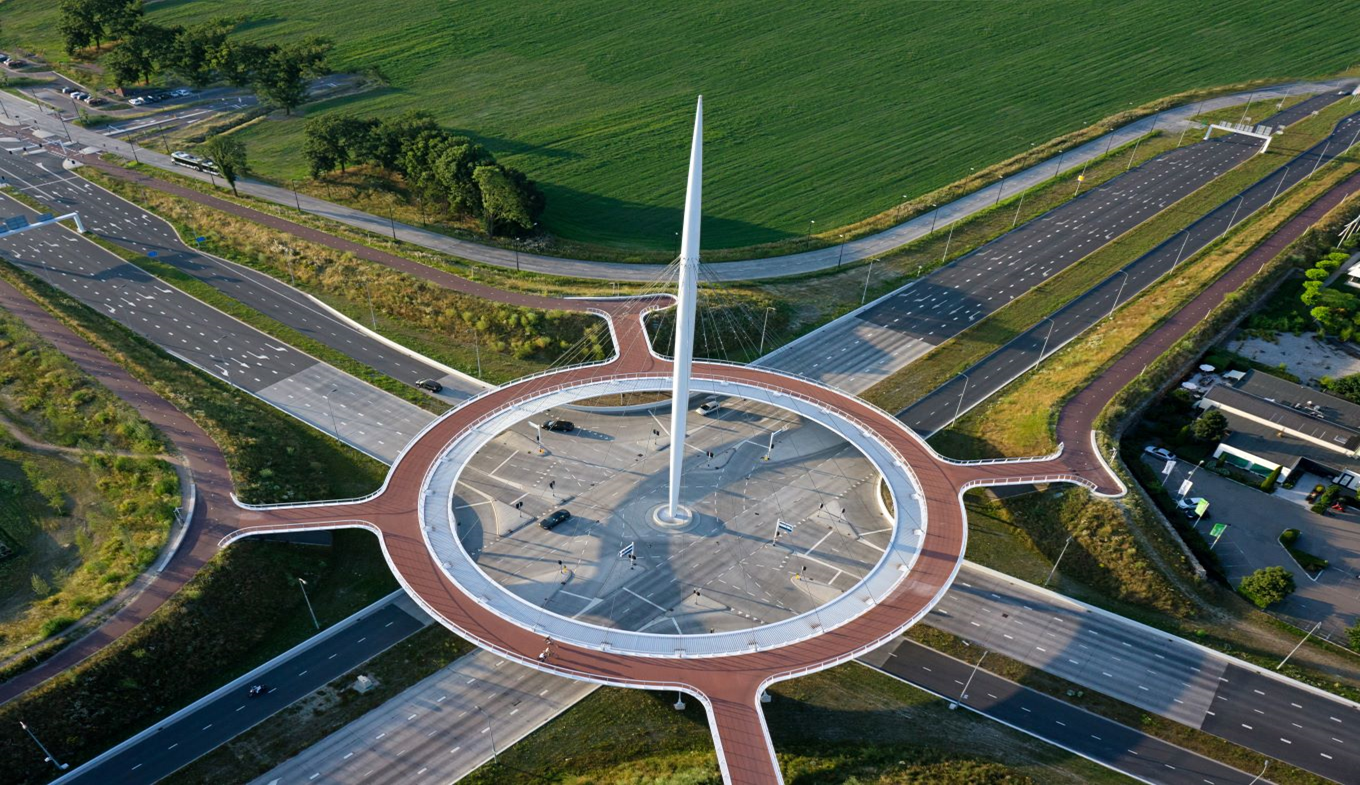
(1159, 452)
(181, 92)
(557, 518)
(12, 63)
(67, 89)
(708, 407)
(93, 100)
(565, 426)
(1188, 506)
(138, 101)
(430, 384)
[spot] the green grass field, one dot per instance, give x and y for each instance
(831, 112)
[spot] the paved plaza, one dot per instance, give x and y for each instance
(753, 471)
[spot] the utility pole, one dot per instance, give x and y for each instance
(308, 600)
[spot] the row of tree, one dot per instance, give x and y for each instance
(199, 54)
(443, 170)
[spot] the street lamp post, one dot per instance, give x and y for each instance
(947, 241)
(1136, 144)
(495, 755)
(841, 256)
(934, 217)
(959, 409)
(1051, 325)
(1059, 561)
(1247, 108)
(1182, 250)
(47, 756)
(296, 201)
(811, 223)
(1318, 162)
(1280, 184)
(963, 694)
(334, 428)
(1057, 171)
(1119, 293)
(308, 600)
(1233, 220)
(1297, 645)
(763, 324)
(1000, 188)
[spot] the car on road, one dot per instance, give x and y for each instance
(181, 92)
(565, 426)
(1159, 452)
(708, 407)
(430, 384)
(556, 519)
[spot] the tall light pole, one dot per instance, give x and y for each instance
(496, 756)
(865, 296)
(1297, 645)
(934, 217)
(1119, 293)
(334, 428)
(1246, 109)
(1182, 250)
(1000, 188)
(1051, 324)
(1059, 561)
(841, 256)
(1233, 219)
(686, 293)
(947, 242)
(959, 409)
(1280, 184)
(812, 222)
(47, 756)
(763, 324)
(308, 600)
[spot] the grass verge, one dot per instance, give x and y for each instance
(955, 355)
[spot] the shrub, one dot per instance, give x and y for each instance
(1267, 586)
(1268, 484)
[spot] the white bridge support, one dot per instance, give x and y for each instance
(13, 225)
(1259, 131)
(687, 291)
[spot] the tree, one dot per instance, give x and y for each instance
(239, 62)
(1210, 426)
(389, 136)
(1268, 484)
(1267, 586)
(454, 170)
(417, 163)
(502, 200)
(79, 25)
(196, 51)
(282, 77)
(229, 153)
(1353, 633)
(125, 64)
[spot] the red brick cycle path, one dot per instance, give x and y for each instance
(215, 515)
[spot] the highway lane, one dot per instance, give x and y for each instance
(1074, 729)
(439, 730)
(359, 413)
(792, 264)
(175, 744)
(862, 348)
(937, 409)
(41, 176)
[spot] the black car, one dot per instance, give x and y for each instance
(430, 384)
(550, 522)
(565, 426)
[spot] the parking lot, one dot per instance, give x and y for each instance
(1255, 521)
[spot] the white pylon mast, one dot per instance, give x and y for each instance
(686, 292)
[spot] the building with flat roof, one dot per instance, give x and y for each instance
(1275, 423)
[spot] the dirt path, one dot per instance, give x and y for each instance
(214, 513)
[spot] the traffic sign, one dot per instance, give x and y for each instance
(1186, 485)
(1202, 507)
(1168, 468)
(1217, 530)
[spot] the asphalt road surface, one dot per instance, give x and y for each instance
(859, 350)
(41, 176)
(792, 264)
(1118, 746)
(360, 414)
(935, 411)
(206, 727)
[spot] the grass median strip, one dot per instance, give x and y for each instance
(957, 354)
